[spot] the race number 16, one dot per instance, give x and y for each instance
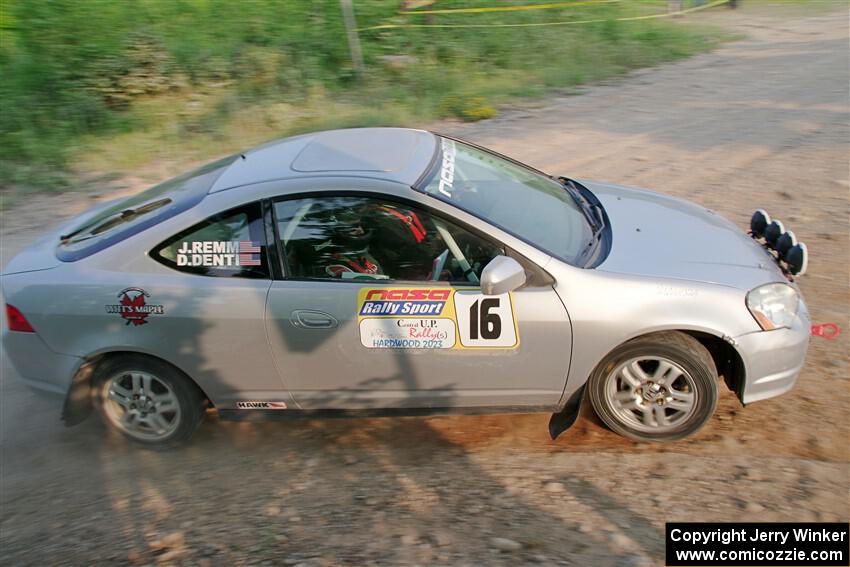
(485, 320)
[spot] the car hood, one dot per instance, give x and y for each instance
(660, 236)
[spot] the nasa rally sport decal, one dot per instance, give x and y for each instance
(133, 306)
(435, 318)
(261, 405)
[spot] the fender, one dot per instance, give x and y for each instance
(78, 401)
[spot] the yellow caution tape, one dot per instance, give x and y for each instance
(507, 8)
(541, 24)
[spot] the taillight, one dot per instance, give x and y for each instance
(17, 321)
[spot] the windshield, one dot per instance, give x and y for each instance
(517, 199)
(139, 212)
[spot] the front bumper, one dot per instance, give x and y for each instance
(37, 365)
(773, 359)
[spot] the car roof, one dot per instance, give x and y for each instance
(392, 154)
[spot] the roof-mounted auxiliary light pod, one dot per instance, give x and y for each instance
(772, 233)
(797, 259)
(793, 254)
(784, 243)
(759, 222)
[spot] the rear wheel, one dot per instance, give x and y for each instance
(148, 401)
(660, 387)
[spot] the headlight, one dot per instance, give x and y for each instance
(773, 305)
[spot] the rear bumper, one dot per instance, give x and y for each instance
(773, 359)
(37, 365)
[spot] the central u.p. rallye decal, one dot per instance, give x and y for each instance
(407, 333)
(435, 318)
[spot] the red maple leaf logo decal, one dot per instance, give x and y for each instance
(137, 302)
(131, 312)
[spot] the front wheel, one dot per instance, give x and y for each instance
(660, 387)
(148, 401)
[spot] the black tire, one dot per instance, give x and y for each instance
(188, 397)
(685, 352)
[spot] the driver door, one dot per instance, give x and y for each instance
(380, 308)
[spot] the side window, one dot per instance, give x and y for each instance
(230, 244)
(363, 238)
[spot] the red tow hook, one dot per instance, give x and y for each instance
(826, 330)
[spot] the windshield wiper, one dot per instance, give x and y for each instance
(593, 213)
(115, 220)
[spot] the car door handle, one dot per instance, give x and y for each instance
(308, 319)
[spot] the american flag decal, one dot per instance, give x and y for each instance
(249, 253)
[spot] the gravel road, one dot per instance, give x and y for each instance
(762, 121)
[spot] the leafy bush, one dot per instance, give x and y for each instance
(470, 109)
(79, 72)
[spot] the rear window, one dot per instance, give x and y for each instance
(230, 244)
(140, 212)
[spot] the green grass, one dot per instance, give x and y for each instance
(99, 86)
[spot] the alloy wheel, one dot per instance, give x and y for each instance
(141, 405)
(651, 394)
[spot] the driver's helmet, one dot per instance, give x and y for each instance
(372, 238)
(348, 231)
(399, 225)
(400, 241)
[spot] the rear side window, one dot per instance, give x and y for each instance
(140, 212)
(230, 244)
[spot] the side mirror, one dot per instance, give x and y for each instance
(502, 275)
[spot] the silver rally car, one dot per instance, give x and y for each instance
(393, 271)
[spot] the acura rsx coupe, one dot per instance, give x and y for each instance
(394, 271)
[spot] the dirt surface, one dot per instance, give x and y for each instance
(761, 122)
